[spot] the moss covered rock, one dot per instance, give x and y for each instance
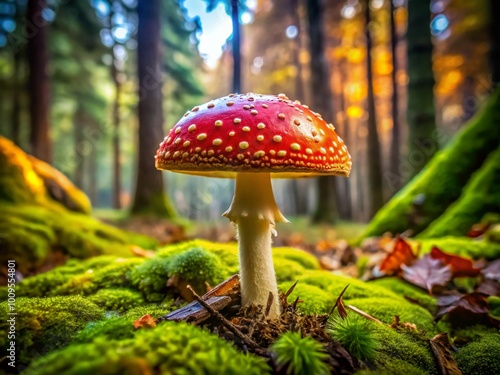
(33, 234)
(27, 180)
(441, 182)
(170, 348)
(467, 247)
(480, 195)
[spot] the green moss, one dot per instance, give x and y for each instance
(481, 357)
(197, 267)
(404, 289)
(463, 246)
(117, 299)
(116, 327)
(356, 334)
(151, 277)
(471, 333)
(394, 367)
(31, 233)
(300, 355)
(333, 284)
(288, 270)
(384, 309)
(305, 259)
(479, 196)
(400, 348)
(442, 180)
(45, 324)
(170, 348)
(315, 300)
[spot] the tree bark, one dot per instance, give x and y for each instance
(39, 85)
(394, 152)
(149, 197)
(80, 152)
(236, 43)
(116, 138)
(326, 206)
(495, 41)
(374, 159)
(420, 113)
(346, 134)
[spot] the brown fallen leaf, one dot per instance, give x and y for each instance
(489, 287)
(402, 254)
(427, 273)
(136, 250)
(461, 267)
(145, 321)
(463, 307)
(339, 304)
(441, 347)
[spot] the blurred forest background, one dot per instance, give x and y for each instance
(92, 86)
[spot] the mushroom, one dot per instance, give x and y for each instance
(252, 138)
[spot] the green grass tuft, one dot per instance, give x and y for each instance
(301, 355)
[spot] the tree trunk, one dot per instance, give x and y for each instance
(80, 152)
(16, 99)
(297, 47)
(495, 41)
(39, 85)
(92, 188)
(116, 138)
(326, 207)
(346, 134)
(149, 197)
(394, 153)
(376, 199)
(235, 19)
(421, 114)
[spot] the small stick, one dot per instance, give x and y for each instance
(363, 314)
(226, 323)
(337, 301)
(291, 290)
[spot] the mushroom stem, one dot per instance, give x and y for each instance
(254, 211)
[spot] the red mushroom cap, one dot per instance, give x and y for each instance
(253, 133)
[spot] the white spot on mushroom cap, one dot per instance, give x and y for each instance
(192, 128)
(201, 136)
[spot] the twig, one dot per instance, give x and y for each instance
(269, 304)
(363, 314)
(291, 289)
(226, 323)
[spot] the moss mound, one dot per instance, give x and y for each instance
(441, 182)
(463, 246)
(170, 348)
(480, 357)
(480, 195)
(45, 324)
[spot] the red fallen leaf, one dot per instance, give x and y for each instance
(400, 255)
(427, 273)
(492, 271)
(146, 321)
(461, 267)
(472, 306)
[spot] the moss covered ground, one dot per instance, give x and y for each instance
(86, 309)
(444, 180)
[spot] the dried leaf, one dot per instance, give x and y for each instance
(146, 321)
(461, 267)
(489, 287)
(492, 271)
(464, 307)
(340, 305)
(400, 255)
(427, 273)
(478, 230)
(441, 347)
(136, 250)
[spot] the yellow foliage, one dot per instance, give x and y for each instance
(356, 55)
(355, 111)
